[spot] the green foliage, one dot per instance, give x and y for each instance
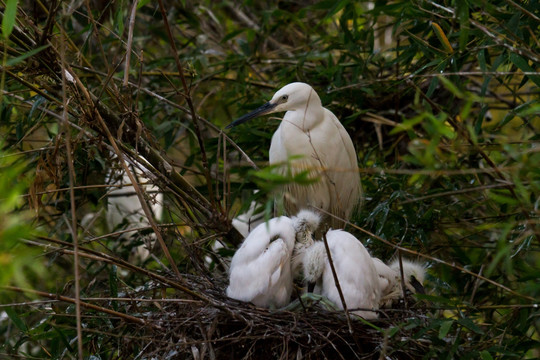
(8, 20)
(16, 260)
(440, 99)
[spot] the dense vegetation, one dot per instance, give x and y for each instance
(439, 97)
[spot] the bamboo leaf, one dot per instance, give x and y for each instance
(524, 66)
(10, 14)
(442, 37)
(16, 319)
(20, 58)
(445, 328)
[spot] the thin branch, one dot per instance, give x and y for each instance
(189, 101)
(96, 255)
(336, 281)
(180, 107)
(71, 170)
(128, 318)
(130, 41)
(463, 132)
(95, 114)
(429, 257)
(455, 192)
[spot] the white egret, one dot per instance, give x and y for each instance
(249, 220)
(390, 279)
(123, 205)
(325, 149)
(305, 224)
(355, 270)
(261, 269)
(387, 277)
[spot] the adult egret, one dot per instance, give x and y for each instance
(355, 270)
(390, 279)
(324, 147)
(261, 270)
(123, 205)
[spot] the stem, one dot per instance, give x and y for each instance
(67, 132)
(187, 96)
(336, 280)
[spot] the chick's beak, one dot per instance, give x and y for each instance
(417, 286)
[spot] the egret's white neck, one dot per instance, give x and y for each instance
(306, 115)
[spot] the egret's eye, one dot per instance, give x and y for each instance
(284, 98)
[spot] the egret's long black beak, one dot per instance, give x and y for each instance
(417, 286)
(265, 109)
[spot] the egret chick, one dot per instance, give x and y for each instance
(355, 270)
(305, 224)
(413, 276)
(324, 147)
(260, 269)
(387, 277)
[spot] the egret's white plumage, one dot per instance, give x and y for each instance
(355, 270)
(249, 220)
(260, 269)
(387, 277)
(305, 224)
(390, 279)
(123, 205)
(325, 149)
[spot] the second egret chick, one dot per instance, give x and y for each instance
(305, 224)
(355, 270)
(260, 270)
(387, 277)
(413, 276)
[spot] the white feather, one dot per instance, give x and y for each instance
(392, 290)
(355, 270)
(323, 148)
(305, 224)
(123, 204)
(260, 269)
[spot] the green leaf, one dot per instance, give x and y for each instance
(408, 124)
(10, 15)
(502, 199)
(486, 355)
(392, 331)
(524, 66)
(445, 328)
(18, 59)
(142, 3)
(463, 16)
(469, 324)
(451, 87)
(16, 319)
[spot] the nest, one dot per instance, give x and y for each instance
(219, 327)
